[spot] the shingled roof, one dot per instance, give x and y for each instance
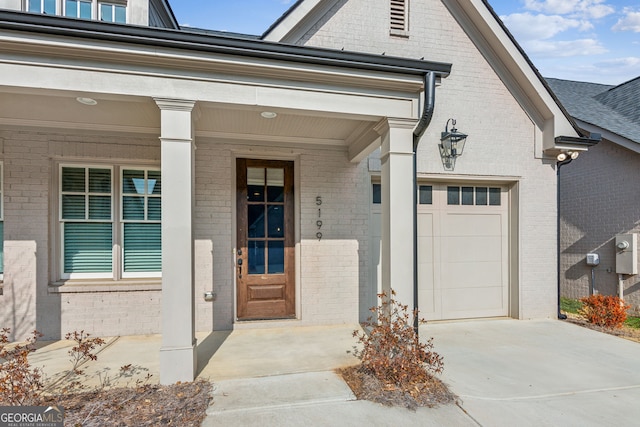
(612, 108)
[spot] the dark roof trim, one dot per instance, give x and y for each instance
(533, 67)
(592, 140)
(282, 18)
(183, 39)
(167, 7)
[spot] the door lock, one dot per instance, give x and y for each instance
(240, 268)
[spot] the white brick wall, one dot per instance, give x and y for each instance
(334, 271)
(501, 135)
(29, 157)
(600, 198)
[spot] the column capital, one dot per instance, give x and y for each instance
(175, 104)
(387, 123)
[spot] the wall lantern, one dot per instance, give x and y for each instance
(451, 145)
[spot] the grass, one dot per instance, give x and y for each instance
(573, 306)
(633, 322)
(570, 305)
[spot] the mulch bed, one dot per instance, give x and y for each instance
(181, 404)
(411, 396)
(626, 332)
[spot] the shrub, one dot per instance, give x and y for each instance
(392, 351)
(20, 383)
(604, 310)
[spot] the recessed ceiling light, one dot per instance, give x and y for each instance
(86, 101)
(269, 114)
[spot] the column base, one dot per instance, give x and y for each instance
(178, 364)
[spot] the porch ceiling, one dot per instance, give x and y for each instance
(130, 114)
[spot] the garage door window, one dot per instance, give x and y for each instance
(376, 194)
(480, 196)
(425, 195)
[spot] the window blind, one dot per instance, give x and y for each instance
(88, 247)
(142, 247)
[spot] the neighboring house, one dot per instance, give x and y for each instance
(146, 167)
(600, 195)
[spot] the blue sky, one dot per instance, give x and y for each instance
(584, 40)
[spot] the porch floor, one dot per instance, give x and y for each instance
(222, 355)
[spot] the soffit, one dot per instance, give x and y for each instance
(129, 114)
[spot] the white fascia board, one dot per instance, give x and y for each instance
(512, 67)
(204, 88)
(299, 21)
(610, 136)
(18, 47)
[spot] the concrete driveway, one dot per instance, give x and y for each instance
(506, 373)
(540, 373)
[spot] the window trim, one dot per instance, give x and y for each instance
(113, 4)
(122, 221)
(117, 276)
(61, 222)
(28, 4)
(91, 2)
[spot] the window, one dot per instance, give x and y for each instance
(141, 221)
(474, 195)
(113, 13)
(43, 6)
(398, 16)
(89, 230)
(425, 195)
(376, 194)
(77, 9)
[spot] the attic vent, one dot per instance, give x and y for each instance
(399, 9)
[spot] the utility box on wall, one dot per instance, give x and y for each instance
(627, 254)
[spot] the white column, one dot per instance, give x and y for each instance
(397, 208)
(178, 352)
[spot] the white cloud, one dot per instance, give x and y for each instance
(560, 49)
(526, 26)
(584, 8)
(630, 62)
(615, 71)
(630, 21)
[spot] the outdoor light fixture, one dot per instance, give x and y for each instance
(86, 101)
(451, 145)
(269, 114)
(566, 155)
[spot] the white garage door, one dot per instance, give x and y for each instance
(463, 251)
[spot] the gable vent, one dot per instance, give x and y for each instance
(399, 15)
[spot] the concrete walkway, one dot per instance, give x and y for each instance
(506, 373)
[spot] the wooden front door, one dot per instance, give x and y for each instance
(265, 258)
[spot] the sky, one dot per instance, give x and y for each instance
(584, 40)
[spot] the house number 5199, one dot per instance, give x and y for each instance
(319, 221)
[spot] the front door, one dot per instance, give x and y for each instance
(265, 257)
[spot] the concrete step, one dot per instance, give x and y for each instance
(257, 394)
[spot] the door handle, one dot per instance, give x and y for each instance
(240, 268)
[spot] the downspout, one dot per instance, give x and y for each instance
(558, 166)
(421, 127)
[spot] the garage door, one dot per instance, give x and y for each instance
(463, 251)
